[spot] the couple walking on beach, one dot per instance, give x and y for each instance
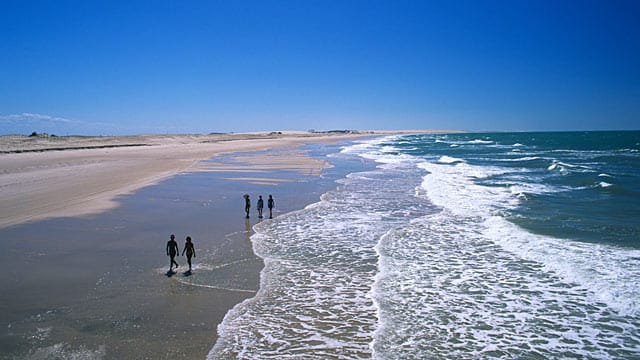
(173, 251)
(260, 205)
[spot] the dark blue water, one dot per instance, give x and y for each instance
(579, 185)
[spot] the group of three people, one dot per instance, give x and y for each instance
(260, 205)
(173, 251)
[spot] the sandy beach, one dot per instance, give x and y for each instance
(44, 177)
(84, 235)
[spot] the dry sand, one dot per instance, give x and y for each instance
(44, 177)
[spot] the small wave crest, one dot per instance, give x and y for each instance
(449, 160)
(565, 168)
(525, 158)
(604, 184)
(480, 141)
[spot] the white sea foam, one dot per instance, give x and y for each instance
(453, 186)
(389, 149)
(449, 160)
(525, 158)
(453, 189)
(565, 168)
(445, 290)
(383, 268)
(601, 269)
(559, 165)
(313, 299)
(363, 146)
(469, 208)
(532, 188)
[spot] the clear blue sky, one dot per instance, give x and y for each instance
(109, 67)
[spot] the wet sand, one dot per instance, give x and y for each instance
(96, 287)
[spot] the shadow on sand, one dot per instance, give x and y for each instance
(170, 273)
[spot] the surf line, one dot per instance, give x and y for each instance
(205, 267)
(229, 264)
(216, 287)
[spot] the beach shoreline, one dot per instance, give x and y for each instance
(87, 283)
(49, 177)
(93, 208)
(95, 286)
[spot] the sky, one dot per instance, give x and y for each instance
(132, 67)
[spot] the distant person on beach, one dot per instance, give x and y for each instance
(190, 250)
(270, 205)
(172, 251)
(247, 204)
(260, 206)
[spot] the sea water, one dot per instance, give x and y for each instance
(457, 246)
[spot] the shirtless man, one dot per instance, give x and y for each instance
(172, 251)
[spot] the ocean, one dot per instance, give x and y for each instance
(455, 246)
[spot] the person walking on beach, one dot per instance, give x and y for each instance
(260, 206)
(270, 205)
(247, 204)
(172, 251)
(190, 250)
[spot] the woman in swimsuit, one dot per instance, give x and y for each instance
(190, 250)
